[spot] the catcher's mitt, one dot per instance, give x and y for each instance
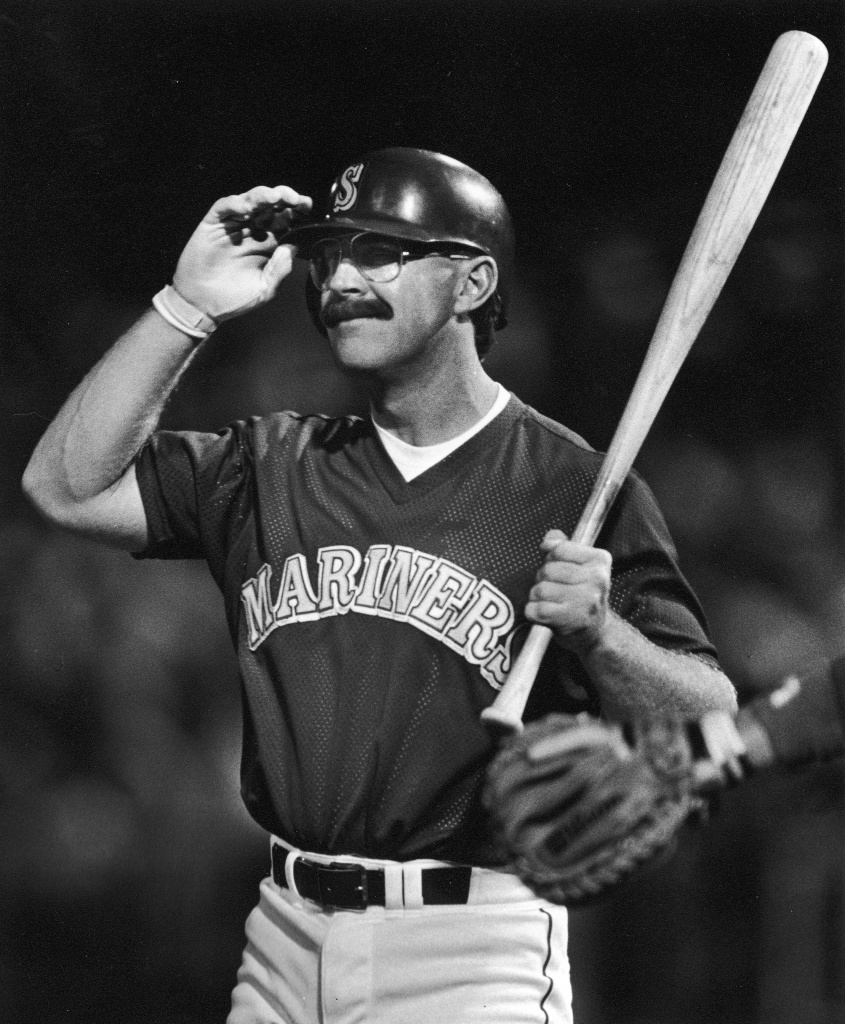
(579, 804)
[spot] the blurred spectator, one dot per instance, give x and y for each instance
(122, 833)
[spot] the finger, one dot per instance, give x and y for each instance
(278, 267)
(286, 218)
(274, 219)
(566, 622)
(548, 613)
(568, 552)
(571, 600)
(245, 205)
(279, 196)
(558, 542)
(573, 573)
(563, 593)
(552, 538)
(250, 241)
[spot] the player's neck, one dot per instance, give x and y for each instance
(438, 408)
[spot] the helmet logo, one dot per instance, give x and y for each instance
(346, 191)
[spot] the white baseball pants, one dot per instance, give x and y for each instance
(498, 959)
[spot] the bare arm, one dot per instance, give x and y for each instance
(81, 474)
(634, 676)
(637, 678)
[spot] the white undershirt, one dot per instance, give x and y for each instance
(412, 460)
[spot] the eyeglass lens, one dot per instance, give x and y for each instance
(377, 260)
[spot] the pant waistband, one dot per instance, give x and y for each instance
(353, 883)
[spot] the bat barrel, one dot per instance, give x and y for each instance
(757, 149)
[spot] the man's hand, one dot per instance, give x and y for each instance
(633, 676)
(571, 592)
(233, 262)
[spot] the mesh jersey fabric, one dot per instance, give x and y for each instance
(375, 618)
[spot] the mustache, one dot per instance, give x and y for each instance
(336, 311)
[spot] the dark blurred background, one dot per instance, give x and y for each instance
(127, 864)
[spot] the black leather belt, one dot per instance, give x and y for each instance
(340, 886)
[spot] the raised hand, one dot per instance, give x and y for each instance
(233, 262)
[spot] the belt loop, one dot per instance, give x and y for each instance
(393, 887)
(412, 882)
(290, 860)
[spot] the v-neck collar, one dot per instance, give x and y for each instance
(402, 491)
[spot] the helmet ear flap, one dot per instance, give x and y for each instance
(312, 301)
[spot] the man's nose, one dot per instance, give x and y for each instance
(346, 278)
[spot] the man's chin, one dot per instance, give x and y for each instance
(354, 345)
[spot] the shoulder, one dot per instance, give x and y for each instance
(246, 441)
(569, 466)
(549, 443)
(302, 431)
(556, 432)
(548, 431)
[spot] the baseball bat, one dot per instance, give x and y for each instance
(748, 169)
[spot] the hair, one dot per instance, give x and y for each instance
(483, 321)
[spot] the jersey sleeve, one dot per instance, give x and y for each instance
(648, 588)
(195, 488)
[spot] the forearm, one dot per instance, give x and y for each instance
(98, 431)
(635, 677)
(81, 475)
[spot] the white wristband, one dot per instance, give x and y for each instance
(182, 315)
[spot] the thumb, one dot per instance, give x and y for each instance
(277, 268)
(551, 540)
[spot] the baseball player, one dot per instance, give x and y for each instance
(378, 576)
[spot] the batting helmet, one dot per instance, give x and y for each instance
(417, 196)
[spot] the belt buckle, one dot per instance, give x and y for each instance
(334, 890)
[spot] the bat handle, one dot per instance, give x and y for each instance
(504, 716)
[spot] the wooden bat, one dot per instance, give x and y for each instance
(751, 163)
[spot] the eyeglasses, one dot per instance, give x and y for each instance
(377, 259)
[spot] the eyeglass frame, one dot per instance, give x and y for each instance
(346, 241)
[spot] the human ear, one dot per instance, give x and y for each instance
(477, 282)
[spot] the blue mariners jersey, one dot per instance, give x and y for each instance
(375, 618)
